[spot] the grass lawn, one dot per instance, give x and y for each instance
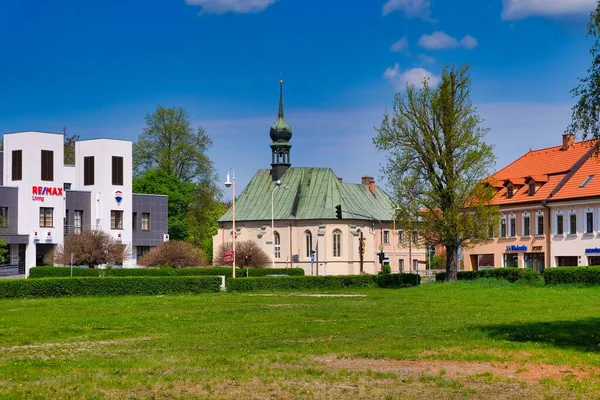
(480, 339)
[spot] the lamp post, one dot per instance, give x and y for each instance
(277, 184)
(231, 183)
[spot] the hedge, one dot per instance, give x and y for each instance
(322, 282)
(510, 274)
(109, 286)
(55, 272)
(398, 280)
(572, 275)
(299, 282)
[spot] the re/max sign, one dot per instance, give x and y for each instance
(38, 192)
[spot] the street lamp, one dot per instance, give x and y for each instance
(277, 184)
(231, 183)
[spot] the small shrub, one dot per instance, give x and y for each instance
(397, 280)
(258, 257)
(176, 254)
(385, 269)
(572, 275)
(108, 286)
(300, 282)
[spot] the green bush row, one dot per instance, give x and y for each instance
(510, 274)
(56, 272)
(109, 286)
(572, 275)
(322, 282)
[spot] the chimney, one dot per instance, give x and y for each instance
(372, 186)
(340, 179)
(366, 180)
(568, 140)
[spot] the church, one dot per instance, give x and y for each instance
(307, 217)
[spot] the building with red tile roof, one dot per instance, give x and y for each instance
(541, 196)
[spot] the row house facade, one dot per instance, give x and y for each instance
(549, 205)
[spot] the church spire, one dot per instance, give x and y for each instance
(281, 133)
(280, 115)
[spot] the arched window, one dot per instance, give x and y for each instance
(308, 238)
(277, 245)
(337, 243)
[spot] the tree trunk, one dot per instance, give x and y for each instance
(451, 263)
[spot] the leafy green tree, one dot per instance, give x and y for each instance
(586, 112)
(436, 163)
(3, 251)
(170, 143)
(181, 197)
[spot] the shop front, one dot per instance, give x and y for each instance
(593, 256)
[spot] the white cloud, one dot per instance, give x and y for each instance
(414, 76)
(235, 6)
(468, 42)
(410, 8)
(400, 46)
(513, 10)
(425, 59)
(440, 40)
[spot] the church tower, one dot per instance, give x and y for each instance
(281, 133)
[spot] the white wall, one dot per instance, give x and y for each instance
(575, 244)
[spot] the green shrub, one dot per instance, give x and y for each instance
(510, 274)
(300, 282)
(572, 275)
(108, 286)
(385, 269)
(397, 280)
(57, 272)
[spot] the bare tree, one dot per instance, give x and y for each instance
(90, 248)
(248, 254)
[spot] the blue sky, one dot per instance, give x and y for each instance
(99, 67)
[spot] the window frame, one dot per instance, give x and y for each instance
(400, 236)
(510, 191)
(589, 219)
(45, 221)
(134, 221)
(308, 242)
(385, 236)
(526, 216)
(116, 223)
(4, 221)
(532, 187)
(512, 225)
(47, 166)
(89, 171)
(277, 244)
(117, 171)
(337, 243)
(77, 221)
(145, 221)
(572, 222)
(560, 217)
(539, 227)
(503, 231)
(17, 165)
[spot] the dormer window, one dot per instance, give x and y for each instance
(532, 188)
(509, 191)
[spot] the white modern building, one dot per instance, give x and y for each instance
(42, 199)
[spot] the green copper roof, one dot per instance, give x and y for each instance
(312, 193)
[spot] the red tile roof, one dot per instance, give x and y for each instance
(547, 168)
(573, 189)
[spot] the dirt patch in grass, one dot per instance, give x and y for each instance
(527, 372)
